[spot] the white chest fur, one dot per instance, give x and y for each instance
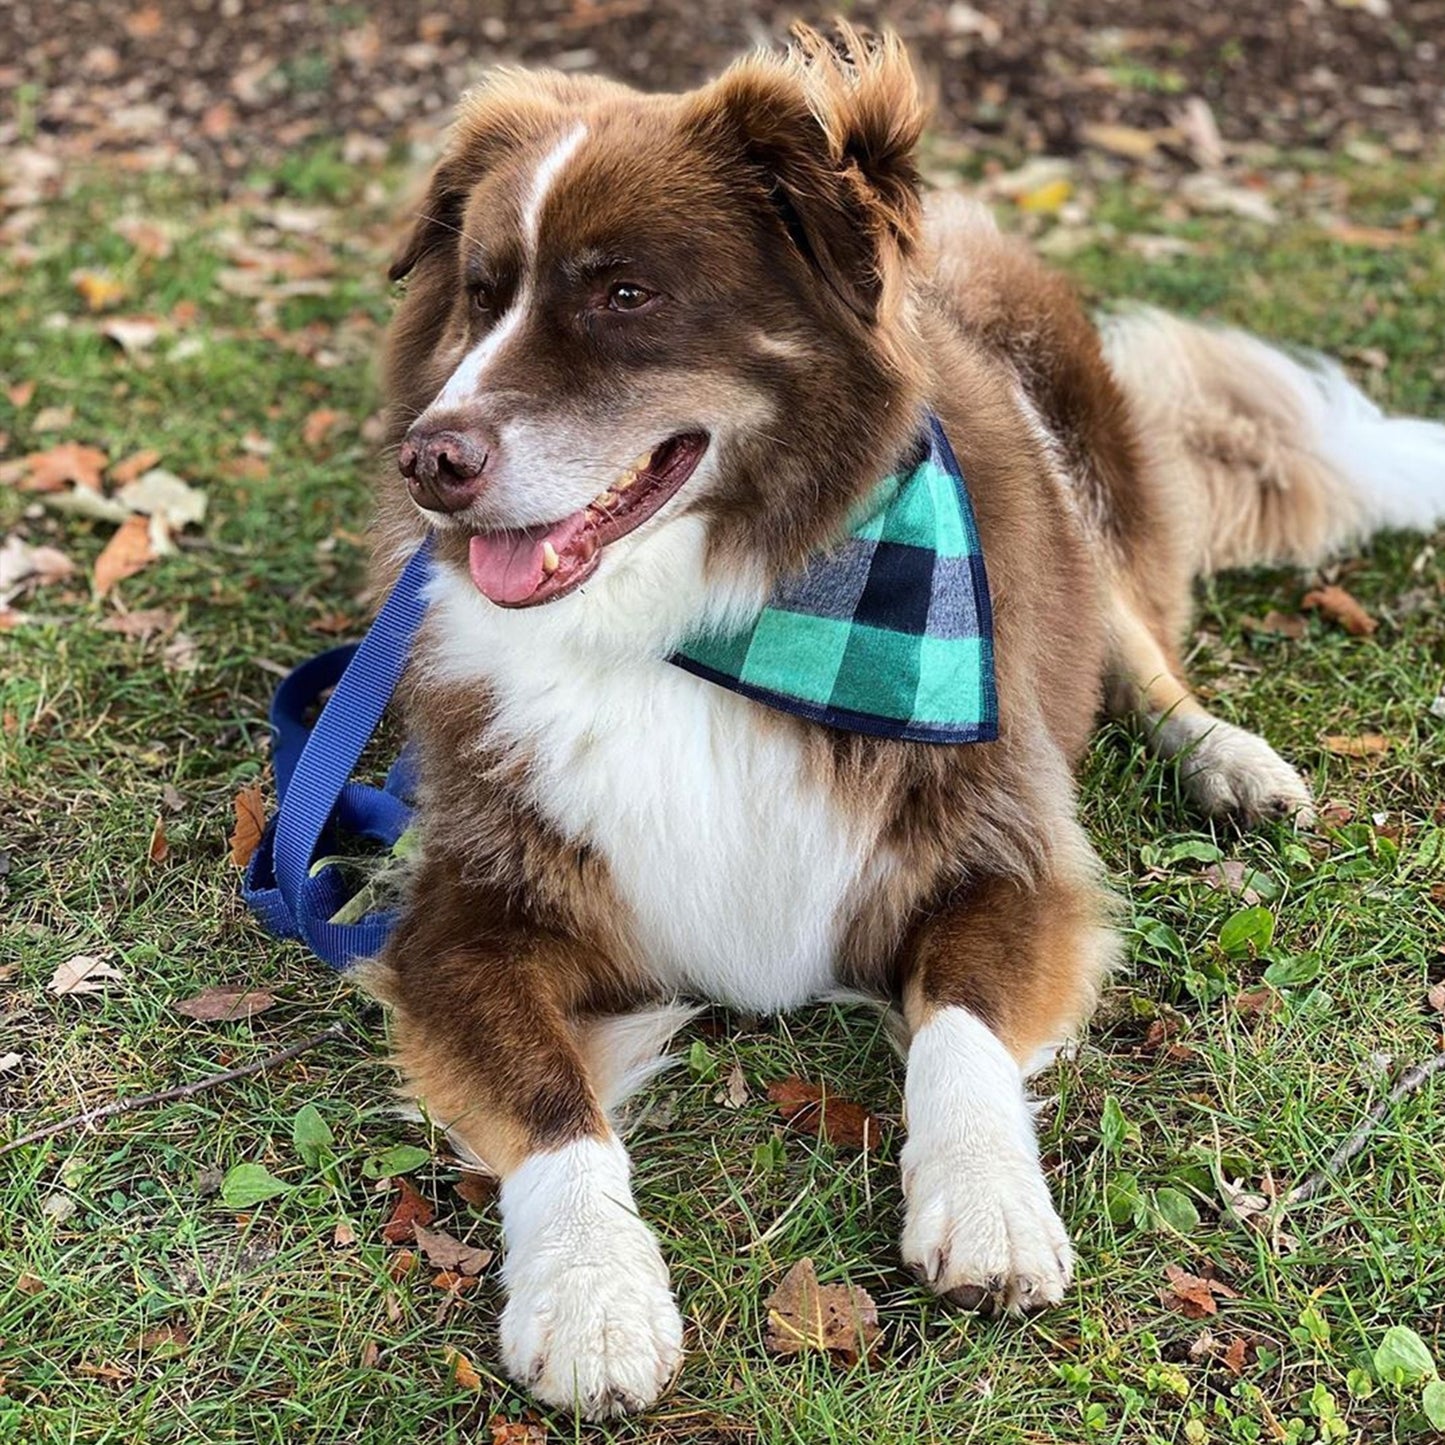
(733, 865)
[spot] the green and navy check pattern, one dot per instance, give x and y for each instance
(888, 633)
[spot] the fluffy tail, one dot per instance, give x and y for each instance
(1266, 458)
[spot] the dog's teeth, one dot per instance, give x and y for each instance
(550, 561)
(625, 480)
(606, 501)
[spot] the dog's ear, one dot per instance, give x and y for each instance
(831, 131)
(438, 219)
(511, 108)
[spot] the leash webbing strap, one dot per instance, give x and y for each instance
(316, 797)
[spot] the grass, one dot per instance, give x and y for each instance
(279, 1334)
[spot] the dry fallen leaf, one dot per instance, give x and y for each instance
(10, 1061)
(129, 551)
(85, 973)
(811, 1109)
(838, 1319)
(223, 1003)
(477, 1189)
(133, 334)
(734, 1093)
(129, 468)
(250, 825)
(170, 1339)
(463, 1371)
(1191, 1296)
(1286, 624)
(1337, 604)
(1435, 997)
(23, 566)
(526, 1431)
(99, 289)
(1231, 876)
(142, 624)
(319, 425)
(160, 846)
(1126, 141)
(1234, 1356)
(1365, 745)
(20, 394)
(447, 1252)
(55, 469)
(1257, 1001)
(29, 1284)
(411, 1209)
(159, 493)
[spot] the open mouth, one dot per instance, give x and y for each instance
(531, 565)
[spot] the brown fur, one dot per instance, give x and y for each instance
(797, 181)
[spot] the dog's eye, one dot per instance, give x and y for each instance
(625, 296)
(484, 298)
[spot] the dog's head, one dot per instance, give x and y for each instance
(624, 310)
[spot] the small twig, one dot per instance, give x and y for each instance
(181, 1091)
(1407, 1083)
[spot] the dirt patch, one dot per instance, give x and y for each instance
(226, 87)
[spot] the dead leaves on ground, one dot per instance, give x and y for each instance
(85, 973)
(1339, 606)
(1361, 745)
(226, 1002)
(811, 1109)
(411, 1209)
(129, 551)
(1191, 1295)
(250, 825)
(149, 505)
(838, 1320)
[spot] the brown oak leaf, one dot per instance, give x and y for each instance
(447, 1252)
(411, 1209)
(1362, 745)
(250, 824)
(128, 552)
(1192, 1296)
(839, 1320)
(223, 1003)
(526, 1431)
(1337, 604)
(813, 1110)
(54, 470)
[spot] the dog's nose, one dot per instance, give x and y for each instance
(443, 469)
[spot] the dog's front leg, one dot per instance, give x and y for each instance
(999, 972)
(488, 1016)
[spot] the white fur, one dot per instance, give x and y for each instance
(590, 1320)
(625, 1051)
(1228, 770)
(977, 1212)
(466, 381)
(1396, 465)
(545, 178)
(733, 866)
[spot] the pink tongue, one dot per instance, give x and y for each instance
(507, 566)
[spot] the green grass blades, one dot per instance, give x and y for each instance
(215, 1268)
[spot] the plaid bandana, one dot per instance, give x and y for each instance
(888, 633)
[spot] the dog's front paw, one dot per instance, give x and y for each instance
(983, 1233)
(601, 1336)
(590, 1323)
(1229, 772)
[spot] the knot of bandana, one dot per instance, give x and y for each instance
(890, 632)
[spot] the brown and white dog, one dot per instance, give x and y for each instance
(653, 349)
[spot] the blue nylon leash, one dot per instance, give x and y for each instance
(313, 767)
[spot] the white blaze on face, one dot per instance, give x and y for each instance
(466, 380)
